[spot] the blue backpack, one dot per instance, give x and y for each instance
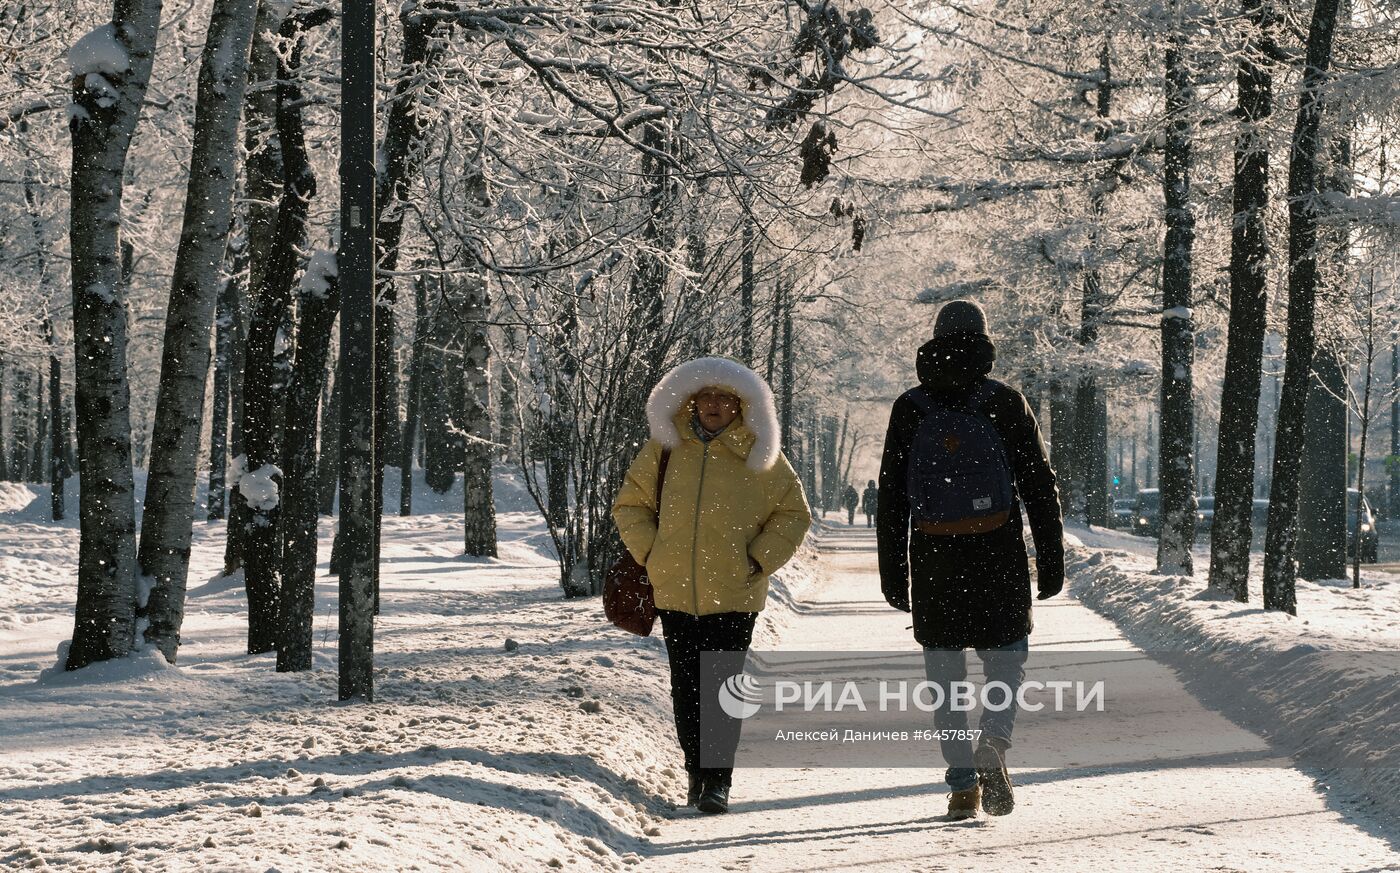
(959, 477)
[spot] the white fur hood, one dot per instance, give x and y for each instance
(758, 411)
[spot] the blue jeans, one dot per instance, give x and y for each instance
(944, 666)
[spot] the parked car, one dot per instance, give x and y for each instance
(1147, 509)
(1124, 511)
(1370, 538)
(1205, 513)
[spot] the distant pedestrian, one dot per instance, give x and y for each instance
(731, 513)
(850, 499)
(962, 454)
(869, 502)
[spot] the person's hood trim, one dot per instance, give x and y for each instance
(758, 409)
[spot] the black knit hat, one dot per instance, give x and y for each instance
(960, 316)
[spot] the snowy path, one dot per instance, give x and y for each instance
(1213, 818)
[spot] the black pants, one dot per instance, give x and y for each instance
(686, 637)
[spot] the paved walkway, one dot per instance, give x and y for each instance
(1128, 819)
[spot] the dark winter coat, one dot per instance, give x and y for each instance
(850, 499)
(871, 499)
(969, 590)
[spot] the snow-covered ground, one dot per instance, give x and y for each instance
(512, 729)
(1325, 679)
(554, 750)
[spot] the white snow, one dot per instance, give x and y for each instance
(99, 51)
(560, 752)
(1268, 665)
(320, 269)
(259, 488)
(1182, 312)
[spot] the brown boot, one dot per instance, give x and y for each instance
(963, 804)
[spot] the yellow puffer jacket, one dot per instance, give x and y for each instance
(716, 513)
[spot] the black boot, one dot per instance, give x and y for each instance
(997, 797)
(714, 799)
(692, 791)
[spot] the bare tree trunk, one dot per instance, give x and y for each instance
(746, 255)
(788, 376)
(415, 383)
(328, 466)
(320, 302)
(57, 432)
(1062, 433)
(4, 450)
(262, 189)
(106, 107)
(223, 349)
(403, 151)
(167, 523)
(1393, 462)
(1370, 340)
(1232, 530)
(1322, 476)
(1090, 402)
(265, 380)
(20, 440)
(1280, 539)
(1177, 460)
(479, 507)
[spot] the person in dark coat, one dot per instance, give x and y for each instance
(850, 499)
(970, 590)
(869, 500)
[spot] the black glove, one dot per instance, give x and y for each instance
(1049, 582)
(896, 594)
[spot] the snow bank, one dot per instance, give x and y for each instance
(1269, 671)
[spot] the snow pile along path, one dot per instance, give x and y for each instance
(1302, 681)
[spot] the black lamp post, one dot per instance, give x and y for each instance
(356, 265)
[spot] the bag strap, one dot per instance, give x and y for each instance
(661, 479)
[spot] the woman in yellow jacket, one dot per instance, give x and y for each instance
(732, 512)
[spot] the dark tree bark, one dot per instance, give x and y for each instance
(403, 151)
(262, 190)
(319, 305)
(746, 255)
(1177, 461)
(265, 383)
(1280, 539)
(444, 387)
(41, 431)
(356, 261)
(1322, 477)
(1061, 432)
(788, 374)
(479, 510)
(223, 351)
(168, 519)
(1393, 462)
(58, 434)
(4, 452)
(415, 381)
(106, 110)
(19, 427)
(328, 467)
(1231, 531)
(1090, 401)
(1322, 483)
